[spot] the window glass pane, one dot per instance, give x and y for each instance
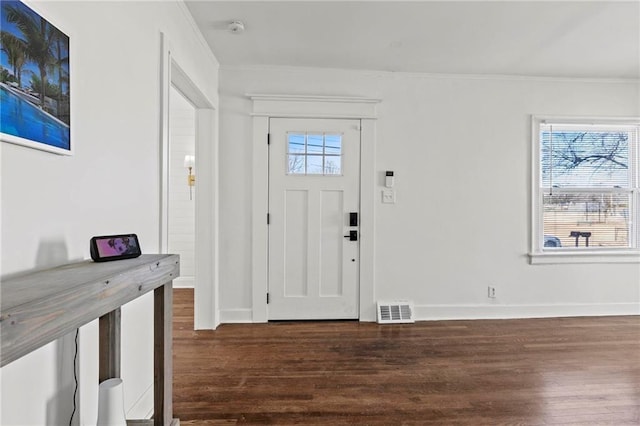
(603, 218)
(317, 154)
(296, 165)
(333, 144)
(296, 143)
(314, 144)
(582, 158)
(314, 164)
(332, 165)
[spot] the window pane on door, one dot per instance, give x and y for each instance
(296, 143)
(314, 164)
(296, 164)
(333, 144)
(314, 153)
(315, 144)
(332, 165)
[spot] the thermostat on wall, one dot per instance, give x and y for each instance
(388, 180)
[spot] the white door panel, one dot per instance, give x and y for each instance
(314, 168)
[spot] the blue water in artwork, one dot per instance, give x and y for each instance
(23, 119)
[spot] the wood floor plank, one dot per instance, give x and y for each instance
(550, 371)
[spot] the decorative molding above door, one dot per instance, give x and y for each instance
(310, 106)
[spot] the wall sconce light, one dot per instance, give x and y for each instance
(189, 163)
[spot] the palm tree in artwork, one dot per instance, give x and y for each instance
(60, 59)
(38, 38)
(15, 50)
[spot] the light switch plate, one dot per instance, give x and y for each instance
(388, 196)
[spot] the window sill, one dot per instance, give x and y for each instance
(627, 256)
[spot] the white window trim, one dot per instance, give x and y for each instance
(536, 254)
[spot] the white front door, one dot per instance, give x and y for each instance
(314, 190)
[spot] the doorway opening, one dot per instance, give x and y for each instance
(203, 195)
(181, 202)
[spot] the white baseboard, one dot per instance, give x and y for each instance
(495, 311)
(184, 282)
(229, 316)
(454, 312)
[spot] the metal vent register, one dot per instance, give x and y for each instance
(397, 312)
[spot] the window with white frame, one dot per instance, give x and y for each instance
(586, 189)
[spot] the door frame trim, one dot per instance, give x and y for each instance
(299, 106)
(206, 191)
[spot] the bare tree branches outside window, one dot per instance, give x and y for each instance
(585, 159)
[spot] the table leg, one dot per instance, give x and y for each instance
(162, 356)
(109, 346)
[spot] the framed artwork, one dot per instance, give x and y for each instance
(35, 108)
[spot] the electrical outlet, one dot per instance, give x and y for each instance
(491, 292)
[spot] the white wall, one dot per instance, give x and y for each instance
(460, 148)
(52, 205)
(182, 136)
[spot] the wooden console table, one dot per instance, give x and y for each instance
(39, 307)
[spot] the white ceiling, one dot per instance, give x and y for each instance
(599, 39)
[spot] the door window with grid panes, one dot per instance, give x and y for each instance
(314, 153)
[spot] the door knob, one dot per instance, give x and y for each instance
(353, 236)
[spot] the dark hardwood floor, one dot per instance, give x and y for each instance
(553, 371)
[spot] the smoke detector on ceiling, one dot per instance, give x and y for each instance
(236, 27)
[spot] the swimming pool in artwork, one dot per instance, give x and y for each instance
(23, 119)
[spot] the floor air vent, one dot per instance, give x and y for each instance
(398, 312)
